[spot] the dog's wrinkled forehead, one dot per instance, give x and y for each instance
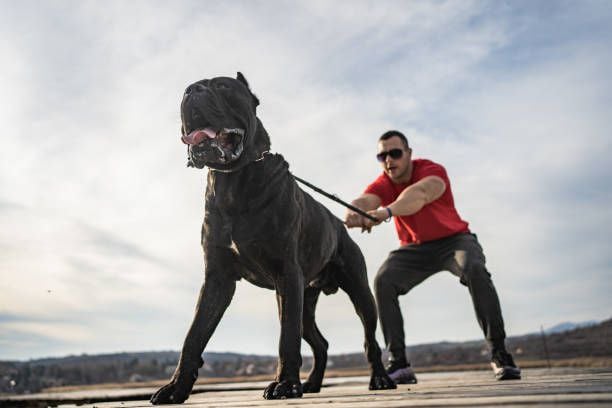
(218, 84)
(234, 91)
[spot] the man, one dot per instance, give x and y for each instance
(433, 237)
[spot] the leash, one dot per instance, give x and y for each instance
(336, 199)
(315, 188)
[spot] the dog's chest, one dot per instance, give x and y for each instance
(256, 262)
(234, 248)
(255, 239)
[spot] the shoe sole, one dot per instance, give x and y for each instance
(507, 373)
(403, 376)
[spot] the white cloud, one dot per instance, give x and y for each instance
(96, 205)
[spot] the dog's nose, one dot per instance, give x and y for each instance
(195, 88)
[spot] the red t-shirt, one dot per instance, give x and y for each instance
(438, 219)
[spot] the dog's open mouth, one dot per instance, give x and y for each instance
(210, 145)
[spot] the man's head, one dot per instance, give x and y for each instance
(395, 156)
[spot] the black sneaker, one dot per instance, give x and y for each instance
(504, 367)
(401, 372)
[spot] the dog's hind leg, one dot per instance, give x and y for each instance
(318, 344)
(354, 281)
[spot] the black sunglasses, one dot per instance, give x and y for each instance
(393, 153)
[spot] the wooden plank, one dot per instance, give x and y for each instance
(555, 387)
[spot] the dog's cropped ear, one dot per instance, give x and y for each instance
(242, 79)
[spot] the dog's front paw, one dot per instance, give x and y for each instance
(283, 389)
(381, 382)
(311, 387)
(172, 393)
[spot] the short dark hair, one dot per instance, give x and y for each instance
(391, 133)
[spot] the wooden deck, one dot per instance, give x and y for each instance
(555, 387)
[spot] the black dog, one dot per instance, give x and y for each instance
(260, 226)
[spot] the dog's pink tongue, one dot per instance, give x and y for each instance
(197, 136)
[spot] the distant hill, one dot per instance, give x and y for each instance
(593, 341)
(567, 326)
(584, 341)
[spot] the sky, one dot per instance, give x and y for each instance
(100, 219)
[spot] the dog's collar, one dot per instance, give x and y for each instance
(263, 156)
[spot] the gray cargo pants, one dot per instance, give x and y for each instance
(410, 265)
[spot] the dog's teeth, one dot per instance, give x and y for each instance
(221, 151)
(237, 131)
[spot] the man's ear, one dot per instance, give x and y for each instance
(242, 79)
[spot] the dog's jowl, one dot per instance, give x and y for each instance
(260, 226)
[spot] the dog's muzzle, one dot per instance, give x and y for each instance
(214, 146)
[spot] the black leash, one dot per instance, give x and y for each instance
(336, 199)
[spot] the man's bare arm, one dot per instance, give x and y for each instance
(365, 202)
(412, 199)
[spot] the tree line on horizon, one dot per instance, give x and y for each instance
(36, 375)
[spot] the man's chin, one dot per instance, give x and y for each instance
(392, 174)
(395, 176)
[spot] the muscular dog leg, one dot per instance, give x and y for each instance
(215, 296)
(315, 339)
(354, 282)
(290, 298)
